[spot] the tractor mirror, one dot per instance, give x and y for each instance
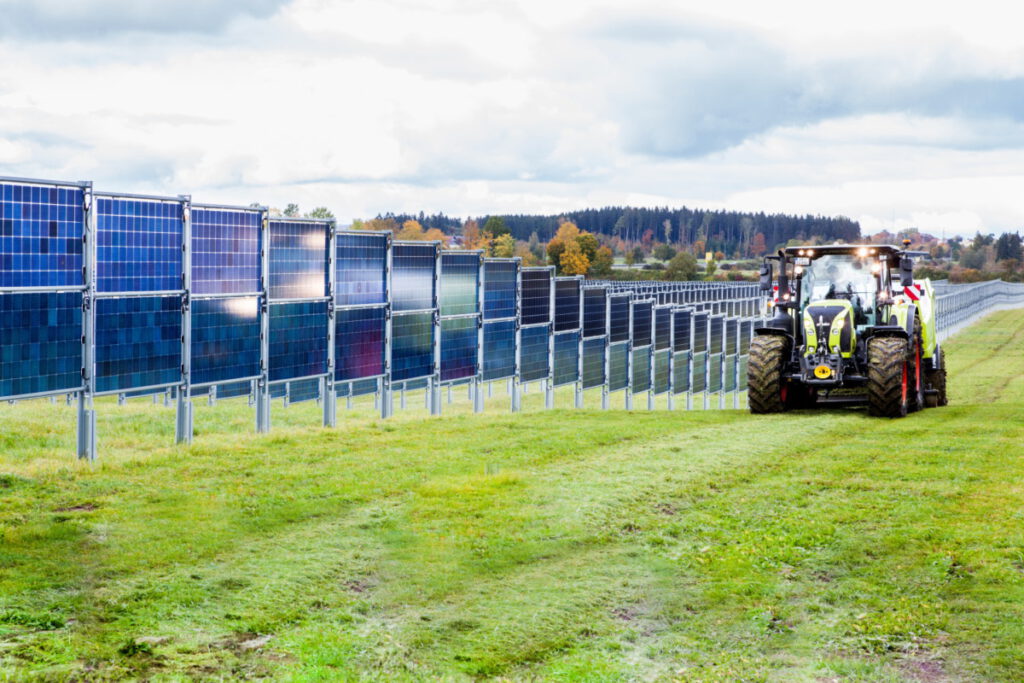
(906, 271)
(766, 277)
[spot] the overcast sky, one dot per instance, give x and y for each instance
(891, 113)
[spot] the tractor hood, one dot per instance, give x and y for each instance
(828, 325)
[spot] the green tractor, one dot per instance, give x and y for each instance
(843, 330)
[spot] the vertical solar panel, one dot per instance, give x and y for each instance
(567, 304)
(412, 346)
(742, 367)
(536, 296)
(138, 245)
(746, 329)
(412, 276)
(716, 335)
(500, 285)
(499, 354)
(298, 340)
(729, 367)
(661, 371)
(700, 332)
(618, 324)
(234, 389)
(40, 235)
(360, 271)
(459, 286)
(458, 348)
(641, 369)
(681, 372)
(225, 251)
(593, 362)
(138, 342)
(595, 312)
(303, 390)
(698, 375)
(225, 339)
(662, 328)
(715, 364)
(40, 342)
(533, 353)
(298, 259)
(359, 343)
(363, 387)
(681, 320)
(618, 366)
(643, 322)
(566, 360)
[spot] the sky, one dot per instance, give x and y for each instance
(895, 114)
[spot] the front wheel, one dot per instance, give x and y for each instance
(767, 388)
(888, 377)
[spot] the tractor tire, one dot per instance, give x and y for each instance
(766, 387)
(888, 377)
(937, 381)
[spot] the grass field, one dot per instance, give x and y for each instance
(565, 545)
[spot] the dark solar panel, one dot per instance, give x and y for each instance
(717, 327)
(412, 346)
(566, 358)
(298, 259)
(40, 342)
(499, 356)
(595, 312)
(40, 236)
(303, 390)
(234, 389)
(533, 354)
(730, 373)
(641, 369)
(458, 348)
(618, 324)
(698, 373)
(662, 328)
(618, 367)
(500, 289)
(700, 331)
(681, 321)
(593, 362)
(412, 277)
(715, 372)
(567, 304)
(459, 287)
(225, 339)
(359, 343)
(138, 342)
(536, 302)
(225, 251)
(746, 328)
(298, 340)
(643, 320)
(681, 373)
(360, 269)
(138, 245)
(661, 375)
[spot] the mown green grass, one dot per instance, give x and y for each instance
(565, 545)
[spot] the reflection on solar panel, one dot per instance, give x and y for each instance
(700, 332)
(359, 343)
(412, 346)
(298, 340)
(225, 251)
(662, 328)
(360, 269)
(298, 260)
(641, 369)
(661, 375)
(533, 354)
(499, 357)
(746, 328)
(40, 343)
(536, 303)
(138, 342)
(360, 388)
(460, 275)
(643, 321)
(699, 372)
(618, 367)
(618, 325)
(715, 372)
(234, 389)
(567, 305)
(138, 245)
(225, 339)
(717, 336)
(593, 362)
(279, 390)
(40, 236)
(412, 276)
(566, 358)
(595, 313)
(500, 289)
(458, 348)
(680, 373)
(681, 321)
(303, 390)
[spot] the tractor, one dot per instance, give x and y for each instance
(846, 325)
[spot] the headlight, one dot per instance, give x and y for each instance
(862, 252)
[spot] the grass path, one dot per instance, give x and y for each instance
(564, 545)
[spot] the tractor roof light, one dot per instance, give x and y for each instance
(800, 252)
(862, 252)
(876, 267)
(810, 252)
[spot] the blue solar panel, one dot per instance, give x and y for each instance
(661, 375)
(459, 287)
(138, 342)
(566, 358)
(593, 362)
(234, 389)
(412, 346)
(618, 324)
(681, 321)
(500, 284)
(40, 236)
(698, 379)
(225, 251)
(662, 328)
(412, 277)
(359, 343)
(533, 354)
(40, 343)
(641, 369)
(595, 312)
(567, 304)
(303, 390)
(499, 356)
(360, 276)
(298, 340)
(643, 321)
(681, 372)
(458, 348)
(298, 259)
(618, 366)
(362, 387)
(700, 332)
(138, 245)
(225, 339)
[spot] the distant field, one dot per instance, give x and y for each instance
(564, 545)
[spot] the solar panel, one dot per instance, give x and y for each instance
(458, 348)
(303, 390)
(618, 324)
(225, 251)
(138, 245)
(746, 329)
(40, 235)
(298, 340)
(741, 383)
(661, 375)
(359, 343)
(641, 369)
(567, 304)
(138, 342)
(717, 336)
(533, 353)
(698, 378)
(412, 276)
(536, 302)
(595, 312)
(499, 356)
(681, 321)
(412, 346)
(500, 283)
(234, 389)
(681, 372)
(662, 328)
(40, 342)
(298, 259)
(730, 373)
(566, 358)
(459, 292)
(715, 372)
(643, 319)
(360, 269)
(225, 339)
(593, 362)
(618, 366)
(700, 332)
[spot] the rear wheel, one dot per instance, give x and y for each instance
(767, 390)
(889, 377)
